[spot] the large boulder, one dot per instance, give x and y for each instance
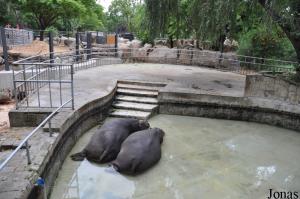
(163, 54)
(70, 42)
(141, 54)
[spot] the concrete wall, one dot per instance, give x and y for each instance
(232, 108)
(272, 87)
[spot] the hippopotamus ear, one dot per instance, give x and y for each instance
(144, 124)
(161, 134)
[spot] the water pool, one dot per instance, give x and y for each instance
(201, 158)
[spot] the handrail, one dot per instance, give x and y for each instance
(25, 141)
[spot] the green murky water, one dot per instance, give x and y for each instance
(202, 158)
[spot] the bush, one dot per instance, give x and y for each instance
(262, 42)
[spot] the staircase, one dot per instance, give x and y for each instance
(137, 99)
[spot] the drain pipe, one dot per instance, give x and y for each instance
(41, 183)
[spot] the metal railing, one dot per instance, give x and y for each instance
(36, 77)
(25, 142)
(15, 37)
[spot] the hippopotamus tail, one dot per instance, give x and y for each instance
(78, 156)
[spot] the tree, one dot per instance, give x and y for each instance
(47, 12)
(211, 18)
(121, 14)
(287, 15)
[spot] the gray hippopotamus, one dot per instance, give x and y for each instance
(139, 151)
(105, 144)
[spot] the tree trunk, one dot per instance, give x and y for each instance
(42, 35)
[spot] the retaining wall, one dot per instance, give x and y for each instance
(271, 87)
(232, 108)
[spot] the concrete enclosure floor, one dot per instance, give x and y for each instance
(201, 158)
(96, 82)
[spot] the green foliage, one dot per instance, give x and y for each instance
(263, 42)
(53, 30)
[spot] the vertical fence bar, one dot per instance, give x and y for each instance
(15, 90)
(50, 128)
(89, 45)
(38, 86)
(72, 85)
(51, 48)
(116, 45)
(5, 49)
(49, 85)
(25, 87)
(27, 152)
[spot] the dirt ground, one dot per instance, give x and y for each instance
(4, 121)
(36, 48)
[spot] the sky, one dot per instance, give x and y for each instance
(104, 3)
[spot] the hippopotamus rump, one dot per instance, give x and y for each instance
(105, 144)
(139, 151)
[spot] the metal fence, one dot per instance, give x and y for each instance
(16, 37)
(54, 77)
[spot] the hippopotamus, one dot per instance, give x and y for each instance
(140, 151)
(105, 144)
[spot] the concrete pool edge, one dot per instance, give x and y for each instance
(175, 101)
(78, 122)
(259, 110)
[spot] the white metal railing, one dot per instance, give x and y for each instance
(25, 141)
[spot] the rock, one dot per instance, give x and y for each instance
(230, 45)
(136, 43)
(125, 51)
(1, 60)
(148, 45)
(163, 54)
(5, 96)
(70, 42)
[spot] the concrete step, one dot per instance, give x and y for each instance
(138, 87)
(134, 92)
(142, 83)
(135, 106)
(130, 113)
(148, 100)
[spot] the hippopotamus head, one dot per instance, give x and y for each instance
(160, 133)
(143, 124)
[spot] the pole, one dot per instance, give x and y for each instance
(116, 45)
(89, 45)
(51, 51)
(77, 46)
(5, 49)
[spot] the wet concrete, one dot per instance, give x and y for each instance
(202, 158)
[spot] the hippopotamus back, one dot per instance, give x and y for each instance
(105, 144)
(139, 151)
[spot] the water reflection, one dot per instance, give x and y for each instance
(91, 181)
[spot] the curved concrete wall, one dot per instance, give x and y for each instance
(81, 120)
(231, 108)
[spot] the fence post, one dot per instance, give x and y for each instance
(77, 46)
(4, 45)
(51, 48)
(89, 45)
(116, 45)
